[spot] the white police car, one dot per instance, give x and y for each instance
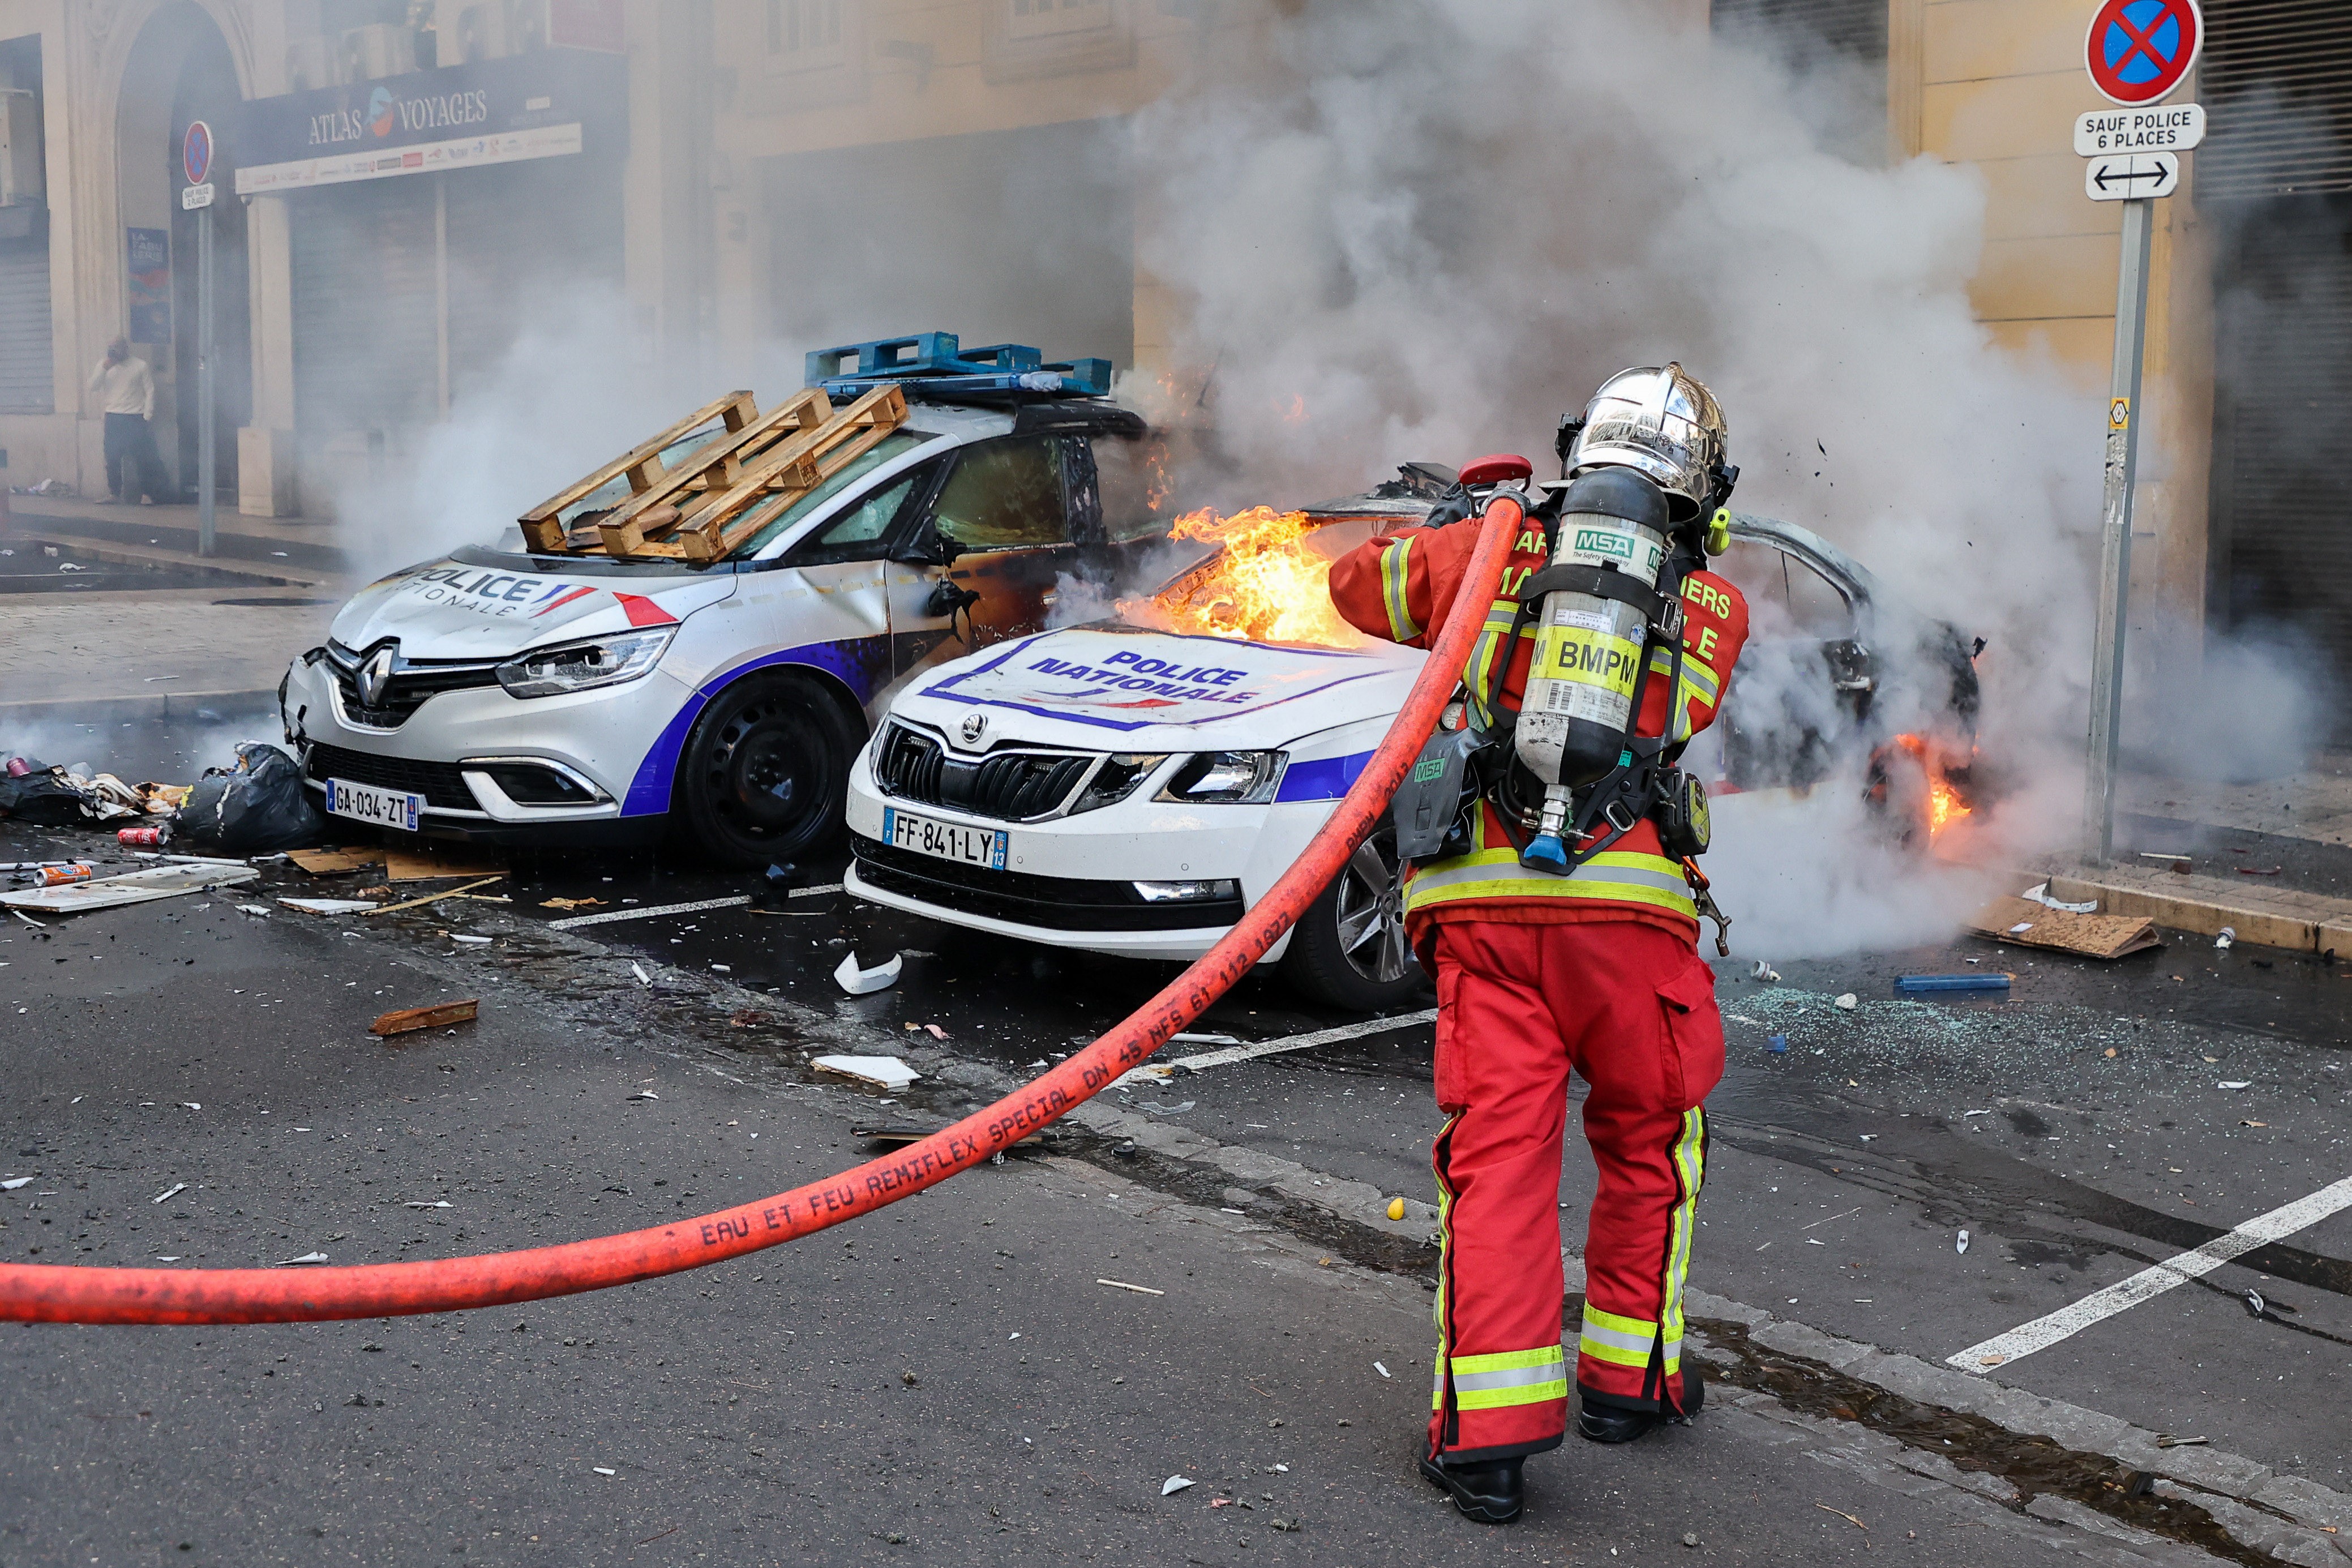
(513, 694)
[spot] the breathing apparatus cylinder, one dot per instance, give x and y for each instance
(1591, 636)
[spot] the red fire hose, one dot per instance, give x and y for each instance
(36, 1293)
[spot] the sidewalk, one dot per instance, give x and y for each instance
(127, 657)
(305, 546)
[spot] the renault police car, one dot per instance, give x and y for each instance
(507, 695)
(1133, 792)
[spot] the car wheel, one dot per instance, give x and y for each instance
(1350, 950)
(765, 772)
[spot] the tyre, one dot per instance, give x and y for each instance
(1349, 949)
(765, 772)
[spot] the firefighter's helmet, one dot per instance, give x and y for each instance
(1662, 422)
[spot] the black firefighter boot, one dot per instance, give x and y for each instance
(1489, 1492)
(1615, 1424)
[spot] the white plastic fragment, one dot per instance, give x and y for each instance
(1764, 972)
(469, 941)
(192, 1105)
(639, 970)
(862, 981)
(724, 968)
(603, 1472)
(875, 1072)
(1848, 1002)
(329, 906)
(260, 910)
(1173, 1485)
(306, 1258)
(437, 1203)
(13, 1183)
(174, 1189)
(1962, 1244)
(2040, 894)
(645, 1094)
(2228, 935)
(2235, 1083)
(1382, 1369)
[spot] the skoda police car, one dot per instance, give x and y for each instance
(504, 694)
(1128, 791)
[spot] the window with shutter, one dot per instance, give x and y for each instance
(2276, 80)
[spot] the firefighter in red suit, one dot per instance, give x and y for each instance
(1540, 974)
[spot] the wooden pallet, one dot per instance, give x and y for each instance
(710, 501)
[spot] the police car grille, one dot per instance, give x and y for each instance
(441, 784)
(1012, 785)
(406, 691)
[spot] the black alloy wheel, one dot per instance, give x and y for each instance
(1349, 949)
(765, 772)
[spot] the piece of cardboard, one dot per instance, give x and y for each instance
(407, 1020)
(132, 888)
(429, 862)
(329, 862)
(2093, 936)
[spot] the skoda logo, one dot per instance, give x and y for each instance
(375, 675)
(973, 724)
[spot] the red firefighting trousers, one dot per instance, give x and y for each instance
(1631, 1008)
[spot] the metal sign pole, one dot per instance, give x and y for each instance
(206, 456)
(2115, 548)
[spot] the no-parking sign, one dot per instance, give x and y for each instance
(197, 153)
(2139, 50)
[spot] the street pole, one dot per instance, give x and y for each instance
(206, 455)
(2114, 546)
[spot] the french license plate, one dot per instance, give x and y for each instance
(364, 803)
(944, 840)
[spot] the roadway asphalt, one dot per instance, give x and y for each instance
(860, 1396)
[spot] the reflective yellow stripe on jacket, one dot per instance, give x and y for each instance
(1617, 875)
(1699, 681)
(1395, 564)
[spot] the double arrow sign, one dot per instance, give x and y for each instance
(2135, 154)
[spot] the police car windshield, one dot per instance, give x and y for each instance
(785, 513)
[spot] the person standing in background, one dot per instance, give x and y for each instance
(125, 389)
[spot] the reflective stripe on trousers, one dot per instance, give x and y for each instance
(1656, 1348)
(1504, 1378)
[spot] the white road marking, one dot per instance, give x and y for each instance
(738, 901)
(2155, 1280)
(1157, 1072)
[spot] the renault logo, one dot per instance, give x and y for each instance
(375, 675)
(973, 724)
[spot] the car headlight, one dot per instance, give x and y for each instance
(578, 666)
(1226, 778)
(1117, 779)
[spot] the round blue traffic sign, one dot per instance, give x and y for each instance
(2139, 50)
(197, 153)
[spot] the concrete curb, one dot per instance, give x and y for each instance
(147, 706)
(2299, 921)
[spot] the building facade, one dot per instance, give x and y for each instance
(405, 182)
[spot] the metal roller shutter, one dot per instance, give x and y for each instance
(366, 336)
(26, 369)
(519, 237)
(2282, 551)
(1855, 29)
(2276, 78)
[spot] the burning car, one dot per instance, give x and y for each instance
(693, 635)
(1133, 785)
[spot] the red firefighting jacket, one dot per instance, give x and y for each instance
(1400, 587)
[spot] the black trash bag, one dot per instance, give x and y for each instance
(47, 799)
(258, 807)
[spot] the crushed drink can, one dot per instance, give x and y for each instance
(18, 767)
(152, 838)
(58, 876)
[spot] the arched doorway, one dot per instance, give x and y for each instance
(180, 68)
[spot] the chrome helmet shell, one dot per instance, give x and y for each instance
(1662, 421)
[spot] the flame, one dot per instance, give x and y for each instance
(1267, 582)
(1944, 805)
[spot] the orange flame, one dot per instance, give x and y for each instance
(1267, 582)
(1944, 805)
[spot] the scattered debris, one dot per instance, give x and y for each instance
(255, 806)
(2256, 1305)
(132, 888)
(13, 1183)
(867, 1072)
(1159, 1110)
(2167, 1440)
(602, 1470)
(2235, 1083)
(859, 981)
(432, 898)
(173, 1190)
(2040, 894)
(569, 903)
(1848, 1002)
(464, 941)
(2227, 935)
(329, 906)
(1173, 1485)
(259, 911)
(306, 1258)
(1914, 984)
(1383, 1368)
(644, 1094)
(1396, 1208)
(2063, 928)
(430, 861)
(1961, 1245)
(1844, 1515)
(331, 862)
(435, 1204)
(1207, 1039)
(1765, 973)
(1123, 1285)
(639, 970)
(409, 1019)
